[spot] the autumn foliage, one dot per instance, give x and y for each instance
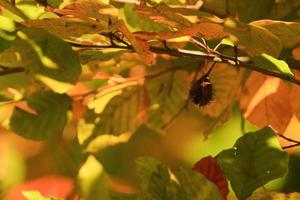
(105, 99)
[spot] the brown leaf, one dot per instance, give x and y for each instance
(207, 30)
(89, 9)
(254, 39)
(208, 166)
(287, 32)
(163, 14)
(140, 46)
(295, 97)
(265, 101)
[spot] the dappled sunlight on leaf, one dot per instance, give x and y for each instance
(265, 101)
(51, 185)
(255, 40)
(287, 32)
(245, 163)
(50, 108)
(92, 180)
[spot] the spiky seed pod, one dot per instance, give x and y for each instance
(201, 92)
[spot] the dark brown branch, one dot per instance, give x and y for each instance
(297, 143)
(291, 146)
(7, 70)
(199, 55)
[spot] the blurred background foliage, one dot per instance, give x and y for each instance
(24, 160)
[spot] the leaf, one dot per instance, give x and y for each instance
(49, 186)
(51, 118)
(168, 93)
(123, 167)
(247, 11)
(89, 10)
(254, 39)
(274, 196)
(265, 101)
(4, 98)
(162, 13)
(245, 163)
(116, 111)
(139, 45)
(92, 180)
(45, 57)
(269, 62)
(158, 182)
(295, 97)
(115, 196)
(34, 195)
(287, 32)
(208, 30)
(208, 166)
(6, 4)
(138, 23)
(67, 27)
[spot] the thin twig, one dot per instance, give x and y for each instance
(291, 146)
(7, 70)
(199, 55)
(297, 143)
(169, 122)
(288, 139)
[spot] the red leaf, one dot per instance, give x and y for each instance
(209, 167)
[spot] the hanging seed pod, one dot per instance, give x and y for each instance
(201, 91)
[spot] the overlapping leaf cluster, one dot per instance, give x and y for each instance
(114, 67)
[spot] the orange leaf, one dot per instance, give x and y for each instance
(209, 167)
(56, 186)
(139, 45)
(163, 14)
(265, 101)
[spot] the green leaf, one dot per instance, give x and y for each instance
(92, 180)
(50, 119)
(35, 195)
(45, 57)
(55, 3)
(255, 159)
(116, 196)
(4, 98)
(157, 183)
(123, 167)
(287, 32)
(254, 39)
(168, 93)
(114, 116)
(141, 24)
(6, 4)
(269, 62)
(267, 195)
(246, 10)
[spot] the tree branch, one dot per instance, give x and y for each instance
(8, 70)
(214, 56)
(297, 143)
